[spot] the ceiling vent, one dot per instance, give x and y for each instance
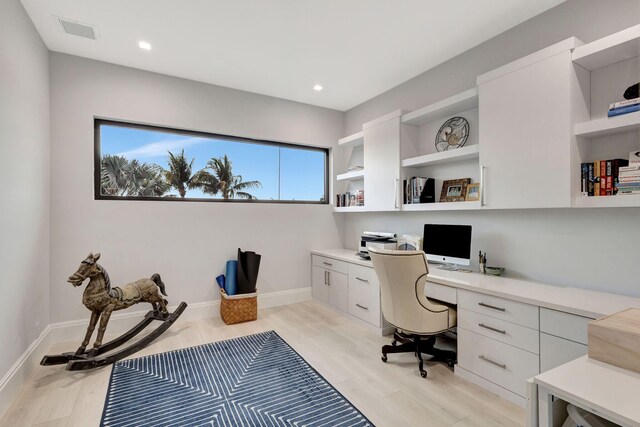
(77, 29)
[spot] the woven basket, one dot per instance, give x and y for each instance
(238, 308)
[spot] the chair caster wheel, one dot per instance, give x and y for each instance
(384, 358)
(423, 374)
(394, 343)
(451, 363)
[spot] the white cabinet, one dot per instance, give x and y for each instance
(382, 163)
(563, 337)
(555, 351)
(525, 131)
(349, 287)
(329, 281)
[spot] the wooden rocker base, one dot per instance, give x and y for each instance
(90, 359)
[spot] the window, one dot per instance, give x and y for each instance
(140, 162)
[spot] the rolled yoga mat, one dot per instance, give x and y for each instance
(248, 267)
(230, 279)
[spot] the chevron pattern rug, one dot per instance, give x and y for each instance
(257, 380)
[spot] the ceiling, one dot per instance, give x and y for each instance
(356, 49)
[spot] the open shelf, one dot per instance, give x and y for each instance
(443, 206)
(449, 156)
(609, 50)
(619, 201)
(464, 101)
(608, 125)
(349, 209)
(352, 140)
(351, 176)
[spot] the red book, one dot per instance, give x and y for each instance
(603, 177)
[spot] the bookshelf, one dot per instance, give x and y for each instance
(608, 125)
(609, 50)
(351, 176)
(443, 109)
(628, 201)
(450, 156)
(442, 206)
(603, 68)
(352, 140)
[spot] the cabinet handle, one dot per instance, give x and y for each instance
(325, 277)
(362, 280)
(328, 278)
(362, 307)
(493, 362)
(482, 325)
(395, 194)
(482, 189)
(492, 307)
(327, 263)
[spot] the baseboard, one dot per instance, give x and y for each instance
(73, 330)
(491, 387)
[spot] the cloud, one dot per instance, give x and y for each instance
(161, 148)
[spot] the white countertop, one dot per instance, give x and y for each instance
(611, 391)
(577, 301)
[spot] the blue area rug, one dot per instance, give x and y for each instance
(257, 380)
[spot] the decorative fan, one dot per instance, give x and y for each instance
(452, 134)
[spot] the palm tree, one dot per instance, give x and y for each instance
(123, 177)
(222, 180)
(179, 173)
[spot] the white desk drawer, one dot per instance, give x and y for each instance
(359, 274)
(500, 330)
(564, 325)
(364, 301)
(556, 351)
(500, 308)
(441, 292)
(500, 363)
(330, 264)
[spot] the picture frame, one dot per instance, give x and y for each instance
(454, 190)
(473, 193)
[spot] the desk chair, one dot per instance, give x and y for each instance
(402, 276)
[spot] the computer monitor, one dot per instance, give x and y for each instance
(447, 244)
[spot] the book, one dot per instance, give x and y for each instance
(623, 110)
(632, 168)
(624, 103)
(596, 178)
(584, 179)
(616, 164)
(590, 180)
(603, 177)
(609, 178)
(634, 158)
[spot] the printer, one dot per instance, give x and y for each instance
(376, 239)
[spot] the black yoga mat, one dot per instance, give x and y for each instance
(248, 266)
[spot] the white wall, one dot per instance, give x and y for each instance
(187, 243)
(596, 249)
(24, 188)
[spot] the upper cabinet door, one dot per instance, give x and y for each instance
(382, 164)
(525, 134)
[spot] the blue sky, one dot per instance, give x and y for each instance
(301, 171)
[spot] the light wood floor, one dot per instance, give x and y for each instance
(345, 353)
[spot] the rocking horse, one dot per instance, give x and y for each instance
(102, 300)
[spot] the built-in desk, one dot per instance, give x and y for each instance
(509, 330)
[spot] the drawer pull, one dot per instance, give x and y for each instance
(493, 362)
(362, 307)
(492, 307)
(328, 279)
(482, 325)
(327, 263)
(362, 280)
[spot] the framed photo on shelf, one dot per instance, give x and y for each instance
(454, 190)
(473, 193)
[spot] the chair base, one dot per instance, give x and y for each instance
(416, 344)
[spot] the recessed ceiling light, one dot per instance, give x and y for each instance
(318, 88)
(144, 45)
